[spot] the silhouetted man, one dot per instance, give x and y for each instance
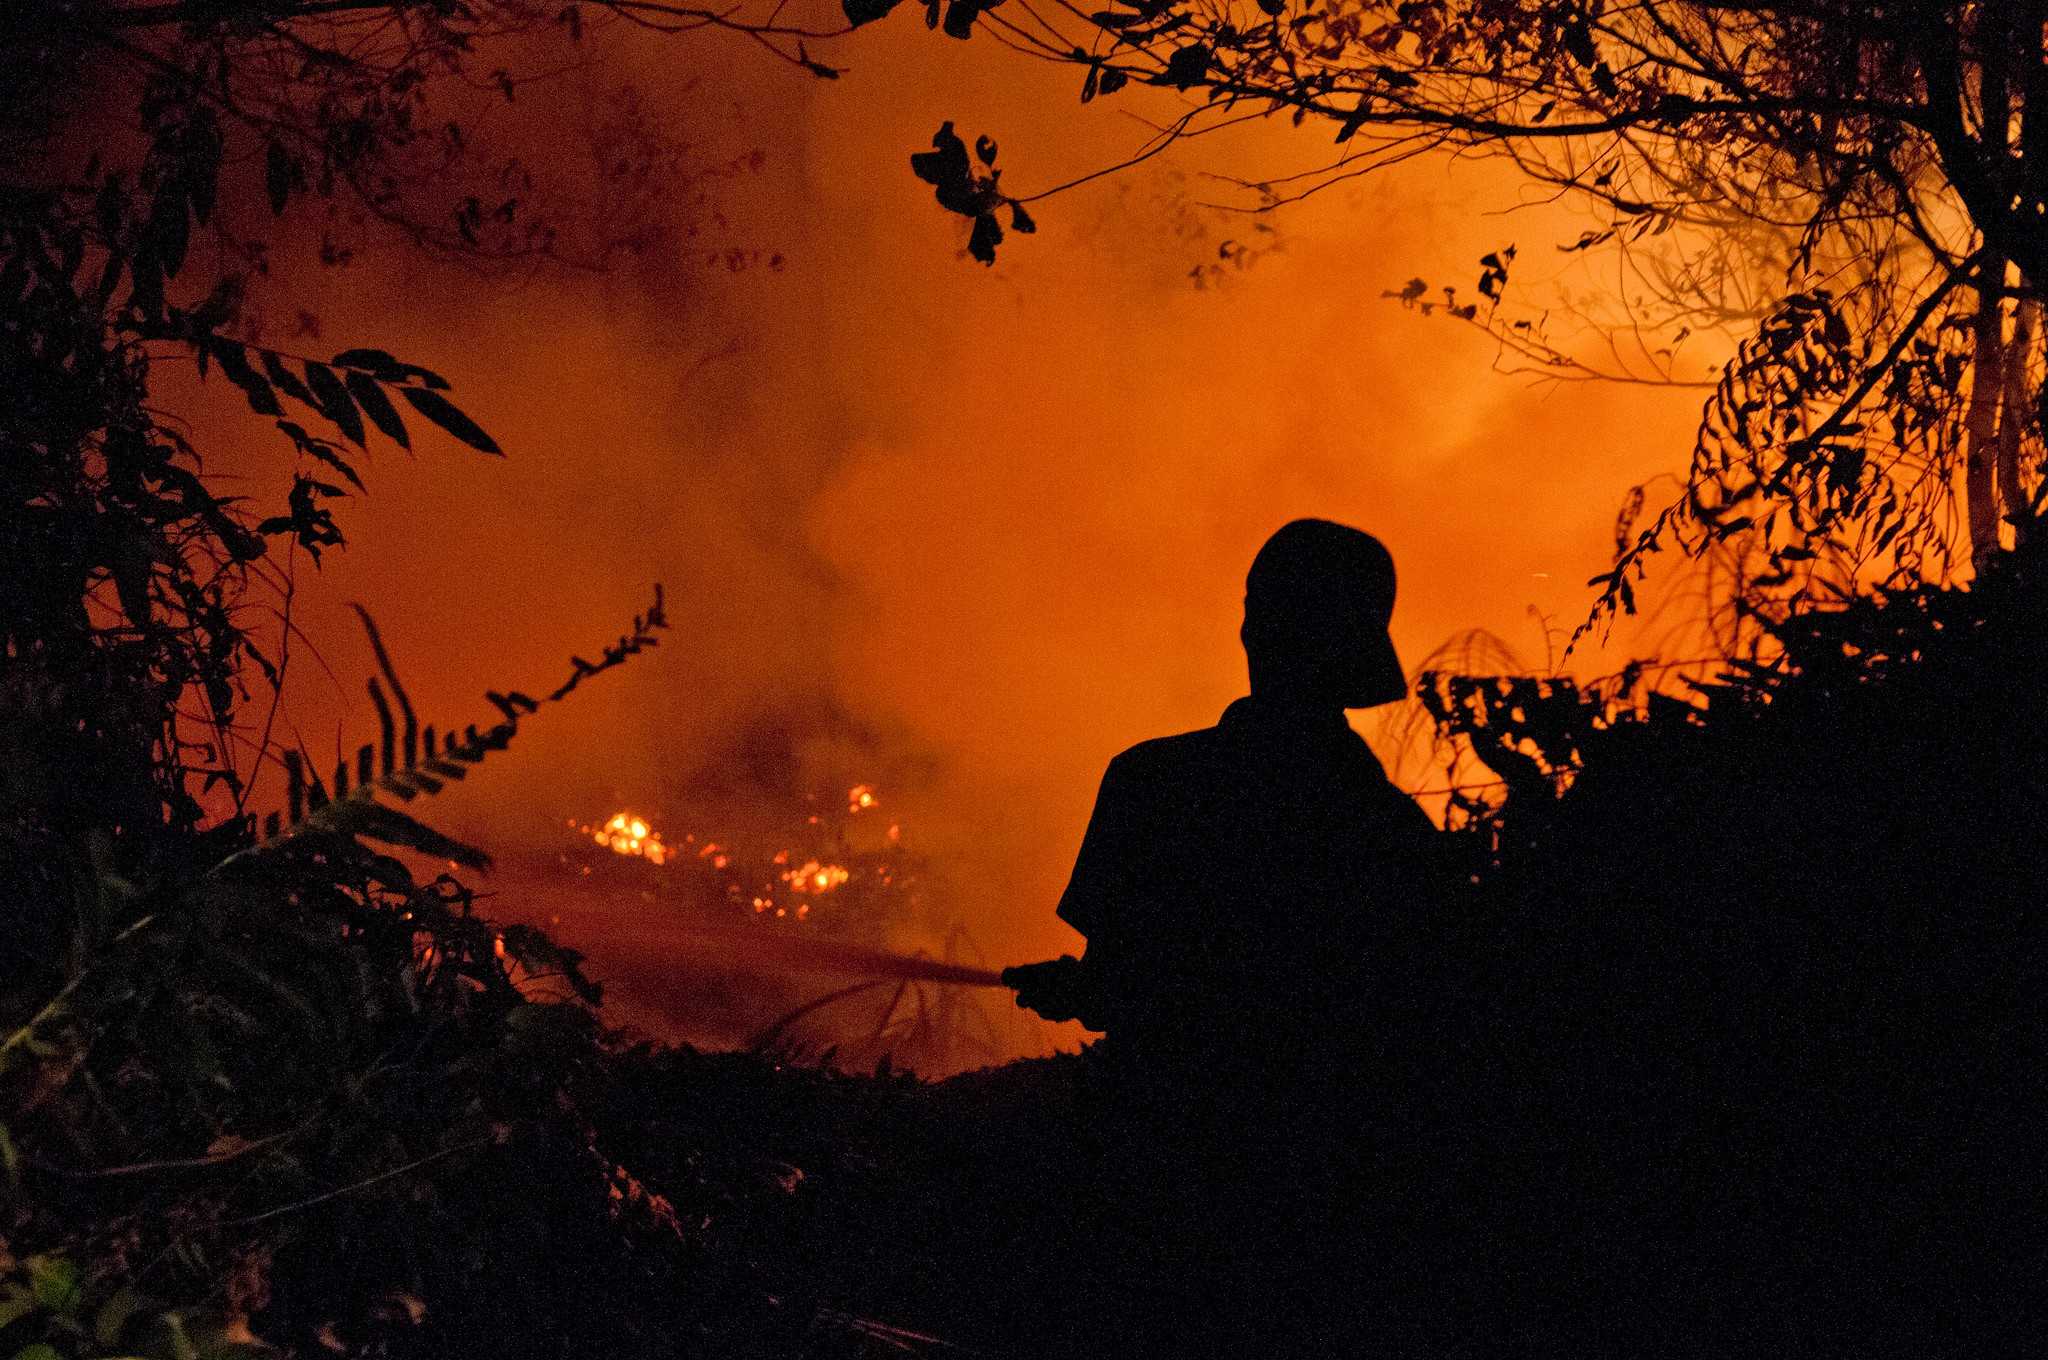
(1233, 881)
(1244, 891)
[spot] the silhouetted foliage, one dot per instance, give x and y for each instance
(1846, 193)
(281, 1074)
(1742, 990)
(975, 195)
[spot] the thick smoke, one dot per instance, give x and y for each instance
(966, 531)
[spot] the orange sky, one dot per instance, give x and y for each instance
(994, 523)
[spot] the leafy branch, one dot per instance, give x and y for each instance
(355, 386)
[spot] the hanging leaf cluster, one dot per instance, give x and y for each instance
(355, 386)
(973, 193)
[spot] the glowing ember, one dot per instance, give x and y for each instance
(630, 835)
(783, 886)
(813, 877)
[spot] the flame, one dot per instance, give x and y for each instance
(627, 834)
(813, 877)
(837, 897)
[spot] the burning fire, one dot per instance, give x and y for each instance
(630, 835)
(813, 877)
(798, 877)
(821, 889)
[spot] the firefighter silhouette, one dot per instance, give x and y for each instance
(1233, 881)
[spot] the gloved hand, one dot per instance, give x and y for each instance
(1057, 989)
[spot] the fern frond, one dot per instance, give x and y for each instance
(407, 761)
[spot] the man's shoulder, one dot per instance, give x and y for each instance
(1166, 757)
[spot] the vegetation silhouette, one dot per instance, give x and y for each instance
(1720, 1034)
(264, 1077)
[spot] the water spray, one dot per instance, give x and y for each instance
(784, 953)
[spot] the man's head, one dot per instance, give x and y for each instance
(1316, 605)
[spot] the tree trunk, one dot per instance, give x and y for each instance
(1987, 369)
(2012, 418)
(1980, 423)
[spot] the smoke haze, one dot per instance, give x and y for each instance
(963, 533)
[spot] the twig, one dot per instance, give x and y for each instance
(174, 1163)
(365, 1184)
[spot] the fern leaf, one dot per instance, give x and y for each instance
(387, 769)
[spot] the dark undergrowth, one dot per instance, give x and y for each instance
(1729, 1047)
